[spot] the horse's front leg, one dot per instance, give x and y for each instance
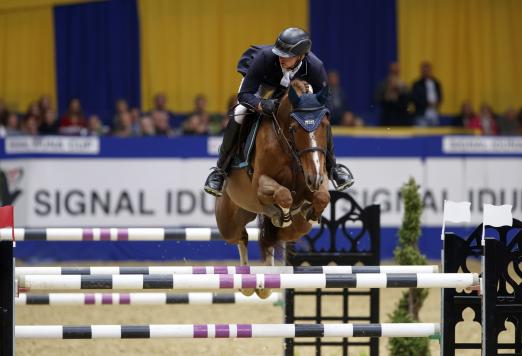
(271, 193)
(320, 200)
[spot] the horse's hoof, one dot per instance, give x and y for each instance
(284, 219)
(313, 222)
(247, 292)
(264, 293)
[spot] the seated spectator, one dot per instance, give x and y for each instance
(12, 126)
(44, 104)
(198, 121)
(73, 122)
(350, 120)
(95, 126)
(426, 94)
(49, 124)
(467, 117)
(161, 123)
(135, 118)
(34, 110)
(508, 124)
(147, 126)
(120, 107)
(4, 113)
(337, 97)
(393, 97)
(160, 104)
(519, 119)
(30, 125)
(486, 122)
(124, 125)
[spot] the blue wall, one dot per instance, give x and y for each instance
(359, 39)
(98, 55)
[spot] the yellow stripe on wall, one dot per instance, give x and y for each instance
(27, 68)
(192, 47)
(475, 47)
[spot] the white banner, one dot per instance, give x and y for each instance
(168, 192)
(52, 144)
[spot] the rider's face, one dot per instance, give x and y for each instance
(288, 63)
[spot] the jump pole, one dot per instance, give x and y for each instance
(226, 331)
(236, 281)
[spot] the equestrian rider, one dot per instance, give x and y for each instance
(272, 68)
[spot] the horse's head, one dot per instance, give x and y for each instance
(308, 129)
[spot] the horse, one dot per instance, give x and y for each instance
(288, 186)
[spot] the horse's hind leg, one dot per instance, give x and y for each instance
(231, 221)
(264, 293)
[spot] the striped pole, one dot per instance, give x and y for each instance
(119, 234)
(115, 270)
(226, 331)
(143, 298)
(236, 281)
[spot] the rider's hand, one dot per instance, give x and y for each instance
(268, 106)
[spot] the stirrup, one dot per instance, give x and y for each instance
(346, 185)
(218, 172)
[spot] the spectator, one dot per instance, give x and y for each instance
(12, 126)
(147, 126)
(337, 97)
(135, 118)
(485, 121)
(49, 124)
(350, 120)
(4, 113)
(198, 121)
(124, 125)
(160, 104)
(467, 117)
(120, 108)
(427, 97)
(161, 123)
(508, 124)
(44, 104)
(392, 95)
(34, 110)
(519, 119)
(30, 125)
(95, 126)
(73, 122)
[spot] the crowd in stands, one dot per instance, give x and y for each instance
(399, 105)
(41, 119)
(419, 105)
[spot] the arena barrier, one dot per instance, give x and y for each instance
(119, 234)
(226, 331)
(116, 270)
(237, 281)
(143, 298)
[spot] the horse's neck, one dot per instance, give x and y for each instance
(283, 114)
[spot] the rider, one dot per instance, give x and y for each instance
(273, 67)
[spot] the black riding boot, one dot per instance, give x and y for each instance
(338, 173)
(215, 180)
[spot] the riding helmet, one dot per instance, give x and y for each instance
(292, 42)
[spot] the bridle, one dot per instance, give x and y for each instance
(290, 145)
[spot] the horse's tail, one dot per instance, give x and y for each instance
(267, 235)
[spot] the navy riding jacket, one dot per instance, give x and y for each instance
(260, 67)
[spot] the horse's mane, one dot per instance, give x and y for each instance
(300, 86)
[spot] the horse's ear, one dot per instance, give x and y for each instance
(293, 97)
(323, 95)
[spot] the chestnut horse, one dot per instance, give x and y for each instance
(288, 188)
